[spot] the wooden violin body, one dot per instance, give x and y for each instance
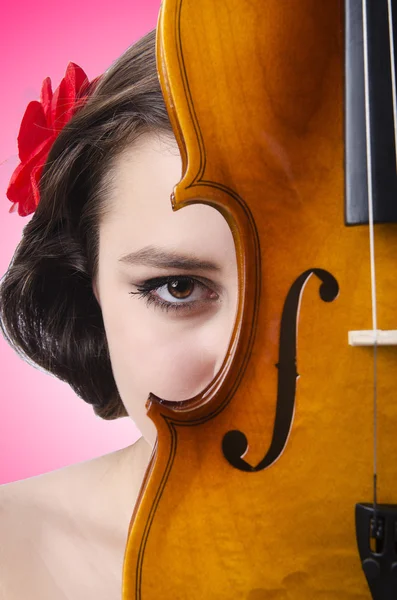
(255, 92)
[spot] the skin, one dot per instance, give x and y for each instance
(79, 515)
(171, 353)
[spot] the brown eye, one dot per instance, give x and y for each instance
(177, 293)
(181, 288)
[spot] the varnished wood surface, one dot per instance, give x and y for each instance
(255, 93)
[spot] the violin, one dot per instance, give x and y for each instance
(279, 480)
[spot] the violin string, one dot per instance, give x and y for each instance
(372, 248)
(393, 72)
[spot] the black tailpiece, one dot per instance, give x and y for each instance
(377, 545)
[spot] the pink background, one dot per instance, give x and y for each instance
(43, 424)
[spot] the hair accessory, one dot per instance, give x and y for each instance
(40, 126)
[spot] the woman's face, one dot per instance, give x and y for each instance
(166, 283)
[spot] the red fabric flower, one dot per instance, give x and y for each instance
(40, 126)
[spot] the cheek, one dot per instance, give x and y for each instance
(171, 362)
(180, 371)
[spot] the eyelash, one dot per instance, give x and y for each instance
(147, 287)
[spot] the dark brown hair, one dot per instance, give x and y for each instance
(48, 311)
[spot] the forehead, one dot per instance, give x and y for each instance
(139, 207)
(143, 175)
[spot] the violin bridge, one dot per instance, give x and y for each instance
(369, 337)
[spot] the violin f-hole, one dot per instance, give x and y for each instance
(235, 443)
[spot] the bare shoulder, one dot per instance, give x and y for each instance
(13, 540)
(63, 534)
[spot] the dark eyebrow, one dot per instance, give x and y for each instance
(153, 256)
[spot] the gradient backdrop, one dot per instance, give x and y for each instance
(43, 424)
